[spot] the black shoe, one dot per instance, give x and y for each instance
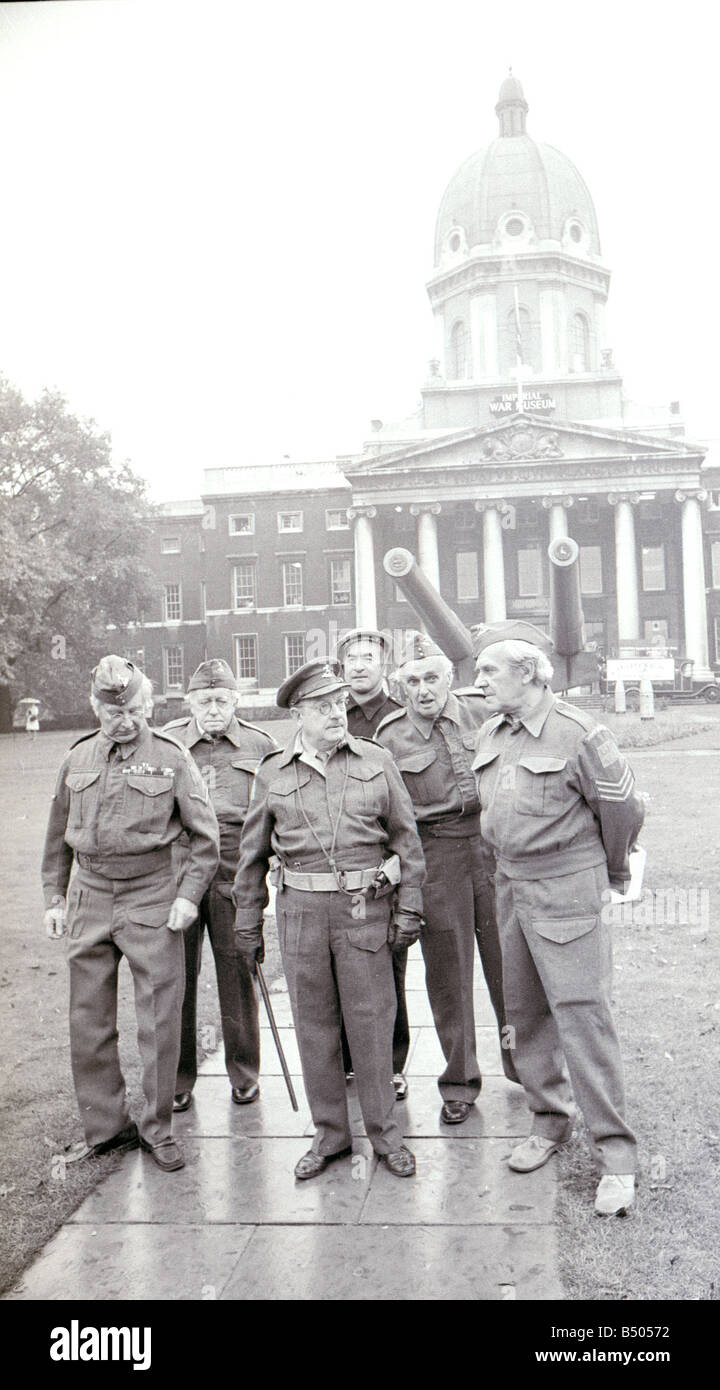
(126, 1139)
(401, 1162)
(167, 1154)
(245, 1095)
(312, 1164)
(401, 1085)
(455, 1112)
(182, 1101)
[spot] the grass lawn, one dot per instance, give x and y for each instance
(667, 991)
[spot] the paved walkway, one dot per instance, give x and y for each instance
(234, 1223)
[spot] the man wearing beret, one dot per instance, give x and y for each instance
(559, 808)
(334, 811)
(433, 741)
(364, 653)
(228, 752)
(123, 796)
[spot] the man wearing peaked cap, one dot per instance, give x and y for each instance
(433, 741)
(560, 810)
(123, 797)
(334, 812)
(364, 653)
(227, 752)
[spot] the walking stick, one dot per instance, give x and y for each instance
(276, 1035)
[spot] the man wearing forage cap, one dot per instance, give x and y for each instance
(364, 653)
(228, 752)
(559, 808)
(433, 741)
(334, 811)
(123, 796)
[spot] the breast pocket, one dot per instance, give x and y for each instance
(365, 793)
(540, 786)
(83, 789)
(148, 802)
(422, 776)
(242, 772)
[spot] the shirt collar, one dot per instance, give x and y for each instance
(295, 748)
(535, 721)
(196, 734)
(124, 750)
(370, 707)
(450, 710)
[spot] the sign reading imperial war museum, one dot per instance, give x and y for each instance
(531, 400)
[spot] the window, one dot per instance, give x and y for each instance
(467, 575)
(289, 521)
(241, 524)
(466, 520)
(653, 567)
(715, 563)
(246, 658)
(529, 579)
(292, 583)
(170, 545)
(294, 651)
(714, 501)
(716, 625)
(340, 581)
(521, 340)
(458, 352)
(244, 589)
(337, 520)
(172, 604)
(173, 668)
(591, 581)
(580, 343)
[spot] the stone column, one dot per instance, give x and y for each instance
(557, 507)
(693, 565)
(493, 560)
(427, 540)
(626, 575)
(365, 600)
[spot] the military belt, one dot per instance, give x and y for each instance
(126, 865)
(455, 828)
(351, 880)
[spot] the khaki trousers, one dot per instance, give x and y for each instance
(109, 919)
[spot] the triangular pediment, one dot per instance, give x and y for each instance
(522, 438)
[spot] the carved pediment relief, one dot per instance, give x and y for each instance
(521, 442)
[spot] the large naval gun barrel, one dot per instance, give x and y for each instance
(572, 665)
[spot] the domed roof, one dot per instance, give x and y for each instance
(515, 194)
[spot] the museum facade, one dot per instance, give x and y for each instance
(524, 434)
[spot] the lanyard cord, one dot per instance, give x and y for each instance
(329, 855)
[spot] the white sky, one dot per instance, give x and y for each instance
(218, 216)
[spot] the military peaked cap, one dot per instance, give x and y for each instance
(314, 678)
(364, 634)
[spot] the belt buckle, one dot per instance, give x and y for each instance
(340, 876)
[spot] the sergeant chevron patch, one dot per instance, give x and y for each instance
(616, 791)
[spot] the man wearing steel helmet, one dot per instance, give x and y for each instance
(334, 811)
(559, 808)
(123, 796)
(228, 752)
(364, 654)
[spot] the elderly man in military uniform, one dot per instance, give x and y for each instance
(334, 811)
(364, 654)
(559, 808)
(433, 741)
(227, 751)
(123, 796)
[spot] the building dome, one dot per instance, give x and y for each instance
(515, 195)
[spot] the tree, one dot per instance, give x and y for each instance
(73, 530)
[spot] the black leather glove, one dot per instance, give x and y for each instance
(250, 945)
(405, 927)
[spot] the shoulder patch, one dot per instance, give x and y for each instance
(83, 737)
(580, 716)
(400, 713)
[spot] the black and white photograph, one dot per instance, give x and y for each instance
(359, 666)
